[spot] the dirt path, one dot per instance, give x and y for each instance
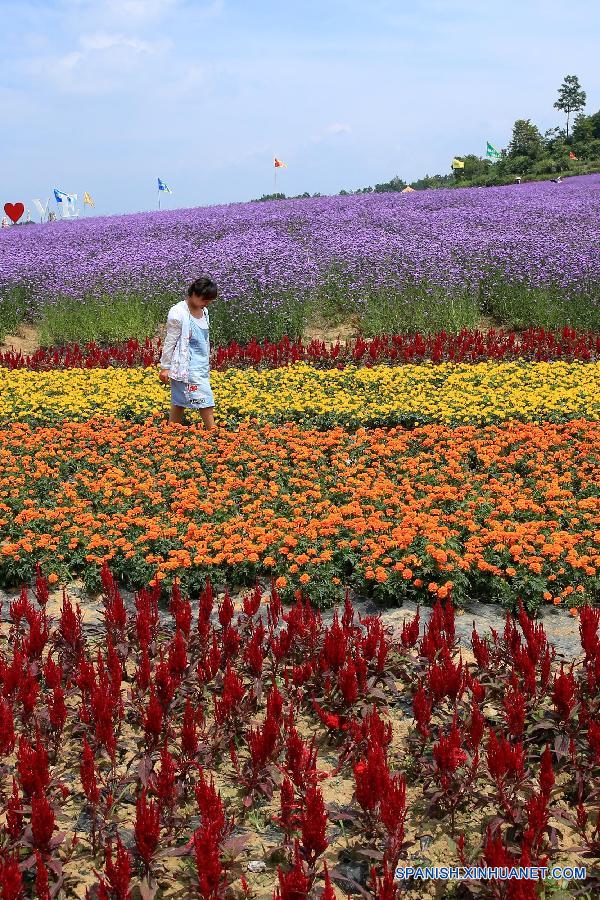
(561, 628)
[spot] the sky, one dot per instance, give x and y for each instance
(105, 96)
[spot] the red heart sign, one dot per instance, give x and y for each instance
(14, 211)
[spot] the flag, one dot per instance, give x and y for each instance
(457, 163)
(72, 204)
(279, 164)
(60, 195)
(87, 200)
(572, 155)
(491, 152)
(163, 187)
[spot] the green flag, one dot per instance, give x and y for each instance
(491, 152)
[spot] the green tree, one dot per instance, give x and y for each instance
(526, 140)
(571, 98)
(395, 184)
(475, 167)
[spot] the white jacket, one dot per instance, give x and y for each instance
(175, 355)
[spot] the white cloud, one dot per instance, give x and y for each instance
(338, 128)
(101, 62)
(101, 41)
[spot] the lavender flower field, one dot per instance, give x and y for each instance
(526, 254)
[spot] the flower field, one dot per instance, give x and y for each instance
(379, 395)
(236, 727)
(527, 254)
(256, 752)
(496, 512)
(534, 344)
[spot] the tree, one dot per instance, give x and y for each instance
(571, 98)
(475, 167)
(526, 140)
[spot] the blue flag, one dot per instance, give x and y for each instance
(60, 195)
(163, 187)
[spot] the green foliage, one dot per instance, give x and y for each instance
(13, 306)
(475, 167)
(105, 319)
(395, 184)
(571, 98)
(526, 140)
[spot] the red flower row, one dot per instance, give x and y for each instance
(467, 346)
(147, 716)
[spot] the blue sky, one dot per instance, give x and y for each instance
(106, 95)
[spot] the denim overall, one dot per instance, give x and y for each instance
(197, 392)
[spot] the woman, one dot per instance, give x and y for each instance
(185, 360)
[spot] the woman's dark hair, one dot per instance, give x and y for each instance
(203, 287)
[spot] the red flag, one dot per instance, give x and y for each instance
(279, 164)
(572, 155)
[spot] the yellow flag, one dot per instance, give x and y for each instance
(87, 199)
(457, 163)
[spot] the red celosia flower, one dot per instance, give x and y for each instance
(287, 818)
(147, 828)
(422, 710)
(503, 758)
(481, 650)
(189, 735)
(334, 650)
(371, 776)
(253, 654)
(178, 661)
(32, 767)
(42, 592)
(295, 883)
(41, 879)
(88, 775)
(448, 754)
(42, 822)
(593, 735)
(384, 888)
(208, 862)
(546, 772)
(210, 805)
(53, 673)
(514, 707)
(226, 610)
(563, 693)
(118, 872)
(14, 813)
(410, 631)
(475, 727)
(163, 783)
(142, 675)
(348, 682)
(392, 812)
(7, 728)
(328, 891)
(11, 880)
(153, 719)
(231, 695)
(57, 710)
(313, 825)
(589, 622)
(252, 602)
(27, 695)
